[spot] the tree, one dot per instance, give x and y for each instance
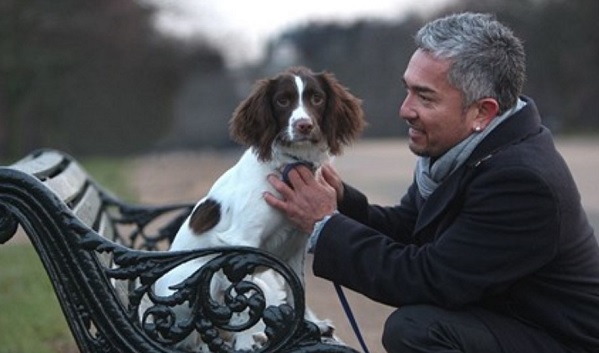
(87, 76)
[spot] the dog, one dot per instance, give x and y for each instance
(298, 116)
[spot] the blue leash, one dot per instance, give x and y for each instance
(350, 316)
(340, 294)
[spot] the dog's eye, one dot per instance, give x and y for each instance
(317, 99)
(283, 102)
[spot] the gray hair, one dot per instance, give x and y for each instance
(487, 59)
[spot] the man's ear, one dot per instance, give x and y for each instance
(488, 108)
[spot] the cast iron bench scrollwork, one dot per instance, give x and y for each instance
(103, 255)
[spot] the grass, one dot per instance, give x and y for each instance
(110, 172)
(31, 320)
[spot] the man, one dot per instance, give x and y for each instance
(489, 250)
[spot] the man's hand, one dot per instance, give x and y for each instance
(309, 199)
(330, 176)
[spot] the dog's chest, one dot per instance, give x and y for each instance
(239, 215)
(286, 242)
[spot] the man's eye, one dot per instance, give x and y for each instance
(425, 99)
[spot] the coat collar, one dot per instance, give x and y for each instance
(524, 123)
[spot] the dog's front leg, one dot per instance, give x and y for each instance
(326, 327)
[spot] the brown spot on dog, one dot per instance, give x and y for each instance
(205, 216)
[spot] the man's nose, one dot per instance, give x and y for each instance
(405, 109)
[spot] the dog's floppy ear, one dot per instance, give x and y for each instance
(344, 117)
(252, 123)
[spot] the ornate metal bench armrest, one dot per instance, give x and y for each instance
(285, 325)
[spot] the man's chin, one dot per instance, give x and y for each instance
(418, 150)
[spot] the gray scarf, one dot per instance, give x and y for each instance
(429, 177)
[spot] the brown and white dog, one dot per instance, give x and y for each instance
(297, 116)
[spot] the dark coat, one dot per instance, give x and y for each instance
(505, 232)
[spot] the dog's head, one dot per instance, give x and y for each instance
(297, 109)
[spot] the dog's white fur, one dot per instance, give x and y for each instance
(303, 105)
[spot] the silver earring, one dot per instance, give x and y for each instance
(477, 128)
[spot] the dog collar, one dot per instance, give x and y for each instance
(289, 167)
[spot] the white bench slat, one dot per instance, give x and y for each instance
(68, 183)
(105, 227)
(39, 165)
(88, 208)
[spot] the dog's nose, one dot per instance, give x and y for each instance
(304, 126)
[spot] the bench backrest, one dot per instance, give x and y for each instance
(68, 217)
(135, 226)
(69, 181)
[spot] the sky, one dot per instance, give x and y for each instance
(241, 28)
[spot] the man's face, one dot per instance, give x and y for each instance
(433, 108)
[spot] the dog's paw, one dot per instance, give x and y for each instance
(327, 332)
(259, 339)
(247, 342)
(325, 327)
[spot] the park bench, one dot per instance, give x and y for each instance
(102, 256)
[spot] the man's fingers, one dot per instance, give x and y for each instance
(285, 191)
(305, 173)
(299, 176)
(328, 173)
(305, 201)
(279, 185)
(331, 177)
(273, 201)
